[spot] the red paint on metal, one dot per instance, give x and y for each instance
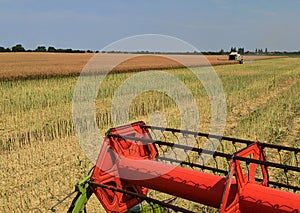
(257, 198)
(106, 171)
(207, 189)
(237, 192)
(185, 183)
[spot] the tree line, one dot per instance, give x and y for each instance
(257, 51)
(20, 48)
(240, 50)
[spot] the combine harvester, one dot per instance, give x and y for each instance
(235, 56)
(139, 170)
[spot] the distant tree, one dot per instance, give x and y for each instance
(241, 51)
(69, 50)
(233, 49)
(18, 48)
(51, 49)
(40, 49)
(78, 51)
(2, 49)
(221, 52)
(266, 51)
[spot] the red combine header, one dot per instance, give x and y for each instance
(147, 164)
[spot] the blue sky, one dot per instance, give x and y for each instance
(208, 25)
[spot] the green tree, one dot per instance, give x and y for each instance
(241, 51)
(18, 48)
(233, 49)
(51, 49)
(40, 49)
(266, 51)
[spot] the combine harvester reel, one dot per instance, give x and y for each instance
(140, 164)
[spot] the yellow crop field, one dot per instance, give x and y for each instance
(33, 65)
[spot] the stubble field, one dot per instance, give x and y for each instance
(39, 152)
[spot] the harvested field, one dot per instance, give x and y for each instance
(31, 65)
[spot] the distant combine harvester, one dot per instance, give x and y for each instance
(235, 56)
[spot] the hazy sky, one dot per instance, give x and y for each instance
(208, 25)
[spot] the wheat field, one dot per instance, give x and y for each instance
(41, 65)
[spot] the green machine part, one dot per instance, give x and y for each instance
(83, 195)
(84, 192)
(147, 208)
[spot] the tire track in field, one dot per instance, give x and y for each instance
(245, 108)
(293, 136)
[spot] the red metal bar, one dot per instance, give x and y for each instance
(185, 183)
(205, 188)
(257, 198)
